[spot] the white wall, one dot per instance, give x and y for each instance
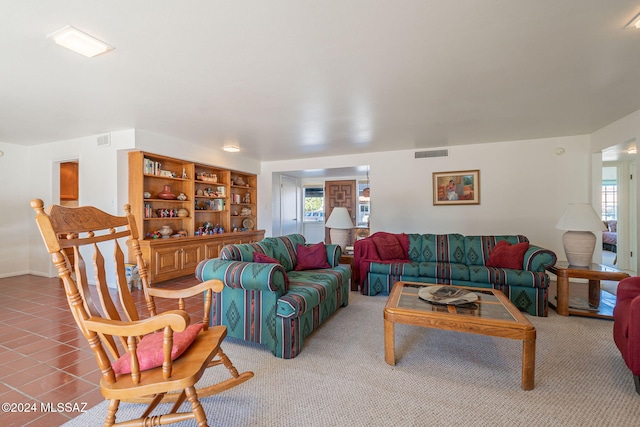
(525, 187)
(32, 172)
(97, 176)
(14, 219)
(167, 146)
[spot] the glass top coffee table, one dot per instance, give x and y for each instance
(490, 314)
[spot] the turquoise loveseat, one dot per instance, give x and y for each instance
(272, 303)
(385, 258)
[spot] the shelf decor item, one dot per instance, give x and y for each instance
(166, 193)
(166, 231)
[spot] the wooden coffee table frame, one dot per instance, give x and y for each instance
(519, 328)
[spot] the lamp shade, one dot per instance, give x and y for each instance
(580, 217)
(339, 219)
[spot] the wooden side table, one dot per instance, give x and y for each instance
(594, 274)
(348, 259)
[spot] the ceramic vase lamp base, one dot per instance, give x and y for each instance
(339, 237)
(579, 247)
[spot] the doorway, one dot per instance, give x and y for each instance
(289, 206)
(619, 211)
(69, 183)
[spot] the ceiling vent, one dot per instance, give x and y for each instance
(104, 140)
(432, 153)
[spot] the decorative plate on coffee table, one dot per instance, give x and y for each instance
(446, 295)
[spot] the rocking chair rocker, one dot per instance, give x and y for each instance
(135, 379)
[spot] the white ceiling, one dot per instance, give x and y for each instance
(287, 79)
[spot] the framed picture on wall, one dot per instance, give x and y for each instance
(456, 188)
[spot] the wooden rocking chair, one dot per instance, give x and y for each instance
(175, 377)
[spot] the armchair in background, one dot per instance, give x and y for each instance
(626, 325)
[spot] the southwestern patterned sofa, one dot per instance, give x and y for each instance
(508, 263)
(277, 291)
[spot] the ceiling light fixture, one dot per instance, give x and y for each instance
(79, 41)
(231, 149)
(634, 23)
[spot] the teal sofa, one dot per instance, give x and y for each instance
(382, 259)
(273, 304)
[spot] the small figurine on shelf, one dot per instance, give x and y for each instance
(247, 197)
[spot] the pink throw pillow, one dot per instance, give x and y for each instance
(311, 257)
(264, 259)
(389, 247)
(506, 255)
(150, 352)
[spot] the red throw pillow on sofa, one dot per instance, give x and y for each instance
(389, 247)
(311, 257)
(264, 259)
(506, 255)
(150, 352)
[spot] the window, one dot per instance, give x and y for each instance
(364, 203)
(314, 204)
(609, 194)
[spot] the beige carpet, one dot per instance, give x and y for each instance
(441, 378)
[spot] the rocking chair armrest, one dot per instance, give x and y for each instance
(177, 320)
(215, 285)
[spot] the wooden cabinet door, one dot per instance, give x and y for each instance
(191, 255)
(167, 263)
(211, 250)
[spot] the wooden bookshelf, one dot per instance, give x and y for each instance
(212, 207)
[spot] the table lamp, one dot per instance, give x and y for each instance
(339, 224)
(580, 219)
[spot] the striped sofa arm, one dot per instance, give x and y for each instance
(250, 276)
(538, 259)
(334, 252)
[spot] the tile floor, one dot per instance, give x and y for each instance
(44, 359)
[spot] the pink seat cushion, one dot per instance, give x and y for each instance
(150, 352)
(311, 257)
(506, 255)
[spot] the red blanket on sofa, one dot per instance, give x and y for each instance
(379, 247)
